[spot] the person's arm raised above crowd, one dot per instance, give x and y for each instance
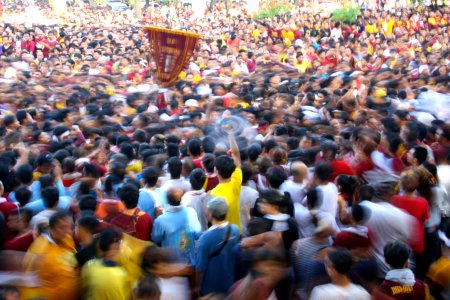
(235, 153)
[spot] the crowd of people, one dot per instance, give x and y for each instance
(296, 157)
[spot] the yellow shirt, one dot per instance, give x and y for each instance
(439, 272)
(55, 265)
(230, 192)
(100, 281)
(305, 65)
(134, 166)
(256, 33)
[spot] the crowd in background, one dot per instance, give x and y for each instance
(297, 157)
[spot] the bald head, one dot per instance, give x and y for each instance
(174, 196)
(299, 170)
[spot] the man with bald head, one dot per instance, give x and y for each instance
(296, 184)
(178, 227)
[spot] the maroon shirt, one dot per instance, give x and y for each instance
(138, 225)
(211, 182)
(394, 290)
(20, 243)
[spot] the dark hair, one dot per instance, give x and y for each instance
(175, 166)
(150, 176)
(247, 172)
(208, 145)
(23, 195)
(421, 154)
(358, 213)
(275, 176)
(173, 150)
(147, 288)
(56, 217)
(323, 171)
(270, 144)
(195, 147)
(208, 162)
(24, 174)
(140, 136)
(273, 197)
(108, 237)
(87, 202)
(341, 259)
(90, 223)
(366, 192)
(197, 179)
(91, 169)
(413, 132)
(314, 198)
(225, 166)
(293, 142)
(348, 185)
(129, 194)
(8, 120)
(127, 149)
(46, 180)
(390, 125)
(68, 164)
(50, 197)
(394, 141)
(396, 254)
(253, 151)
(61, 154)
(21, 115)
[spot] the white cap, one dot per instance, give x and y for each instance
(191, 103)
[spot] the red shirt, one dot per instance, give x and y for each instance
(418, 208)
(211, 182)
(138, 225)
(20, 243)
(28, 45)
(394, 290)
(341, 167)
(5, 208)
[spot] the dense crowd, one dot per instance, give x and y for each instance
(297, 157)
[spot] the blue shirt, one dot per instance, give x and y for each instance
(178, 228)
(38, 205)
(146, 203)
(218, 271)
(36, 189)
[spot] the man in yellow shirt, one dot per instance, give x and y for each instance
(104, 278)
(52, 257)
(230, 181)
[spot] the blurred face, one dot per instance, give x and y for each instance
(15, 223)
(61, 229)
(305, 143)
(39, 55)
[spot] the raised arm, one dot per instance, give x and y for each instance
(235, 153)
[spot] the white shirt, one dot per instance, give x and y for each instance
(296, 190)
(41, 217)
(241, 68)
(443, 172)
(304, 218)
(174, 288)
(336, 33)
(176, 183)
(197, 200)
(388, 224)
(247, 199)
(330, 196)
(330, 291)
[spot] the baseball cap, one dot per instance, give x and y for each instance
(218, 207)
(44, 158)
(191, 103)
